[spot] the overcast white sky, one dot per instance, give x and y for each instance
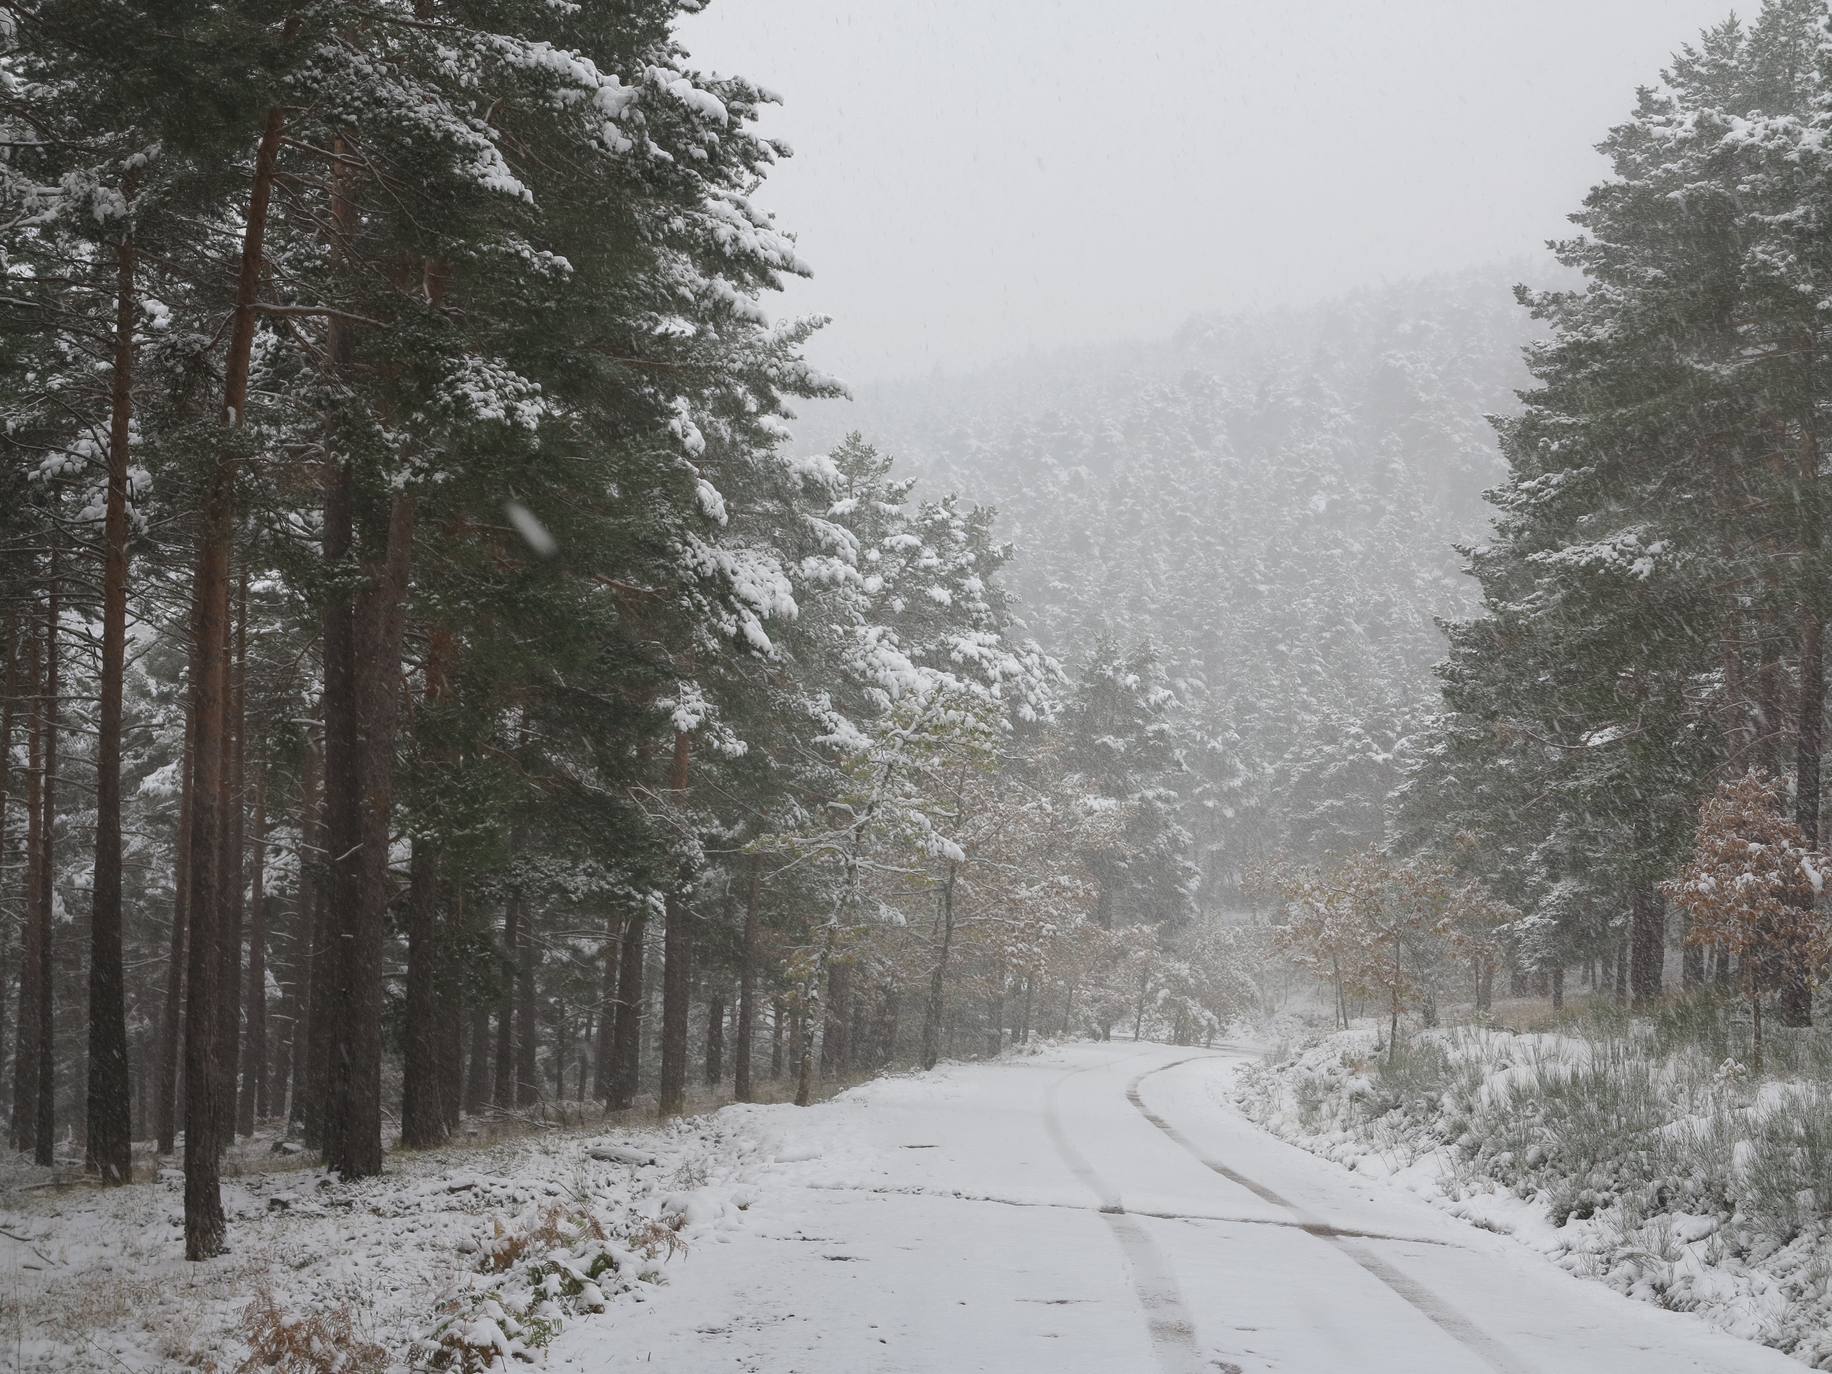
(978, 178)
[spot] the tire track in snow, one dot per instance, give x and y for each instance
(1446, 1318)
(1173, 1334)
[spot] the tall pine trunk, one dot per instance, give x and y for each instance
(8, 717)
(26, 1047)
(715, 1038)
(477, 1062)
(626, 1037)
(110, 1110)
(677, 963)
(171, 1012)
(747, 987)
(938, 976)
(527, 1019)
(454, 988)
(251, 1106)
(342, 820)
(422, 1118)
(312, 1062)
(204, 1113)
(603, 1058)
(44, 1137)
(234, 909)
(777, 1013)
(1647, 933)
(354, 1145)
(502, 1089)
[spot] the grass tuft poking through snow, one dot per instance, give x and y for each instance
(1639, 1152)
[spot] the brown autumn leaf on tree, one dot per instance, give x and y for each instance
(1752, 887)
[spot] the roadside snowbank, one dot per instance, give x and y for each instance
(1673, 1180)
(455, 1258)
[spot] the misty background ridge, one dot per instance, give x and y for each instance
(1272, 499)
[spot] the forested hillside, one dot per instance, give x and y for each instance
(433, 685)
(1272, 503)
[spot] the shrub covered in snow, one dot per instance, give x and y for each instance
(1625, 1153)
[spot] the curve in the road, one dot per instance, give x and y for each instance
(1173, 1333)
(1428, 1304)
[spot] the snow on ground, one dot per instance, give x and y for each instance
(1676, 1182)
(1090, 1207)
(456, 1244)
(1103, 1207)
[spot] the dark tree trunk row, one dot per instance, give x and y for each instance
(233, 909)
(205, 1113)
(12, 650)
(747, 986)
(677, 964)
(422, 1113)
(502, 1090)
(171, 1014)
(312, 1068)
(604, 1070)
(252, 1105)
(109, 1132)
(33, 1068)
(626, 1036)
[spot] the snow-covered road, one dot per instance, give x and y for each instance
(1101, 1208)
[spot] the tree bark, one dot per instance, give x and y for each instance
(502, 1084)
(747, 988)
(836, 1033)
(234, 911)
(715, 1039)
(604, 1070)
(803, 1031)
(204, 1115)
(932, 1009)
(453, 990)
(27, 1048)
(342, 823)
(422, 1119)
(11, 648)
(109, 1147)
(252, 1105)
(1647, 926)
(677, 988)
(204, 1225)
(677, 963)
(171, 1015)
(527, 1017)
(353, 1148)
(477, 1063)
(288, 950)
(1755, 1029)
(313, 1067)
(626, 1037)
(44, 1138)
(425, 1118)
(776, 1015)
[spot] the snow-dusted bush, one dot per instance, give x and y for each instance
(532, 1274)
(1624, 1149)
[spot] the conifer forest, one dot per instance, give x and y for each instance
(1207, 754)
